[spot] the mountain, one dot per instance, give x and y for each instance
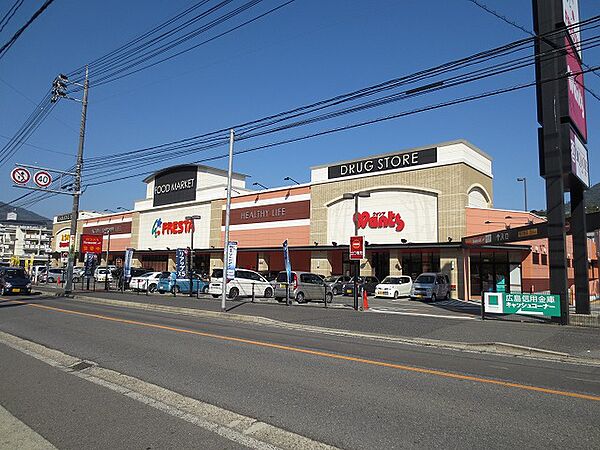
(23, 215)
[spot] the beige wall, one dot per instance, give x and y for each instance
(452, 183)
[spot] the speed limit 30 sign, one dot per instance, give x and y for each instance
(20, 175)
(42, 178)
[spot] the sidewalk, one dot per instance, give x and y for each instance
(469, 329)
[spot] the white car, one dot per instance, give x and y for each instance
(245, 282)
(146, 281)
(394, 287)
(102, 272)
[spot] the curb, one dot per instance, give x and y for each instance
(498, 348)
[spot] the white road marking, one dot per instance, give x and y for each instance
(16, 435)
(402, 313)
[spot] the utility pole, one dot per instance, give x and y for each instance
(77, 188)
(107, 269)
(227, 213)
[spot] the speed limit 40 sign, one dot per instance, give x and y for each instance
(42, 178)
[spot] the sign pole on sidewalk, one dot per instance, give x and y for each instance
(227, 219)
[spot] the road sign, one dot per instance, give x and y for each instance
(357, 247)
(231, 260)
(520, 303)
(42, 178)
(20, 175)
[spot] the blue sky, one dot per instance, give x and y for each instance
(305, 52)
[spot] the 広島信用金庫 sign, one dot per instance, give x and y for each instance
(520, 303)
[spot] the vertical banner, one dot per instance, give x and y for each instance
(286, 260)
(127, 264)
(181, 262)
(231, 259)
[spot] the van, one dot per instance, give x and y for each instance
(431, 286)
(245, 284)
(304, 287)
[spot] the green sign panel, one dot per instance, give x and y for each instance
(519, 303)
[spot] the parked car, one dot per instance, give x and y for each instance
(304, 287)
(140, 271)
(395, 287)
(166, 284)
(242, 285)
(102, 272)
(15, 280)
(431, 286)
(53, 275)
(148, 280)
(364, 283)
(336, 283)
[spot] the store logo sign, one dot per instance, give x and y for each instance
(176, 227)
(378, 220)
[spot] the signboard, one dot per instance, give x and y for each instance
(175, 185)
(519, 303)
(64, 218)
(376, 220)
(381, 164)
(90, 262)
(42, 178)
(231, 259)
(357, 247)
(127, 265)
(269, 213)
(571, 19)
(20, 175)
(91, 243)
(576, 92)
(181, 262)
(286, 261)
(113, 228)
(579, 159)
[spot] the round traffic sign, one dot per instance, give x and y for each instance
(42, 178)
(20, 175)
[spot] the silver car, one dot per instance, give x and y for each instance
(336, 283)
(304, 287)
(431, 286)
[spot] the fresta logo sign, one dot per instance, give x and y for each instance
(176, 227)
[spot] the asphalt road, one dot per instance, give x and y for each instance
(346, 392)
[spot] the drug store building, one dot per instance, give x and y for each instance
(411, 210)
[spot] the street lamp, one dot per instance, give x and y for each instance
(107, 232)
(290, 179)
(192, 219)
(355, 196)
(259, 184)
(524, 180)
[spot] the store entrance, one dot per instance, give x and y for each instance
(380, 262)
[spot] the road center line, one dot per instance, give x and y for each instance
(434, 372)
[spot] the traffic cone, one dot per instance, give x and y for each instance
(365, 300)
(58, 281)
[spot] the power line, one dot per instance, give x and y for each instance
(530, 33)
(12, 40)
(9, 14)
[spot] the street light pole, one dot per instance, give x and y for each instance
(355, 196)
(107, 271)
(227, 214)
(524, 180)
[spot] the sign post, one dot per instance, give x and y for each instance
(357, 252)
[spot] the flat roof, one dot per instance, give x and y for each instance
(209, 169)
(414, 149)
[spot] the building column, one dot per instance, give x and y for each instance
(319, 263)
(451, 265)
(216, 261)
(366, 269)
(395, 262)
(263, 262)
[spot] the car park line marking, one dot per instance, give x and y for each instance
(434, 372)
